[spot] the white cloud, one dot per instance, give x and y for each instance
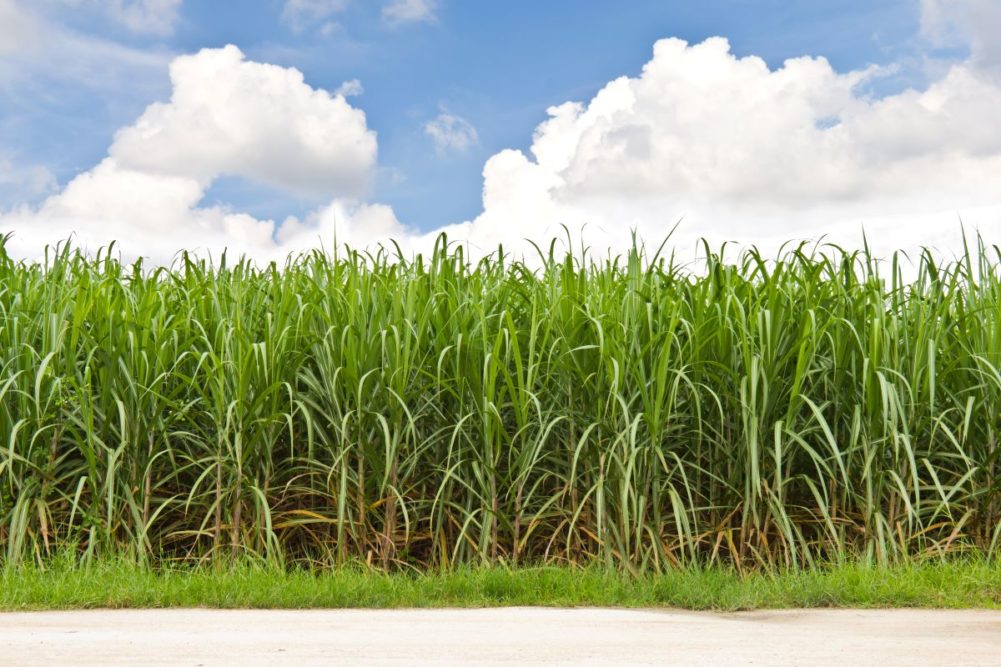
(740, 151)
(230, 116)
(18, 28)
(351, 88)
(25, 181)
(734, 148)
(149, 17)
(36, 51)
(451, 133)
(410, 11)
(976, 23)
(342, 222)
(300, 14)
(226, 116)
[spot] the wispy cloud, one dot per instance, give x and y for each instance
(19, 28)
(351, 88)
(20, 182)
(144, 17)
(302, 14)
(451, 133)
(157, 17)
(410, 11)
(36, 48)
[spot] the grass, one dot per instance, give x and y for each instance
(118, 583)
(431, 413)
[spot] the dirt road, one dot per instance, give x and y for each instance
(512, 636)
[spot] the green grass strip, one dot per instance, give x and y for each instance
(119, 584)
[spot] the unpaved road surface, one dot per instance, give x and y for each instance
(511, 636)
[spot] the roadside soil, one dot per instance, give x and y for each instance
(502, 636)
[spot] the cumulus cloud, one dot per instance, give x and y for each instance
(734, 149)
(972, 23)
(230, 116)
(737, 150)
(451, 133)
(343, 222)
(410, 11)
(226, 116)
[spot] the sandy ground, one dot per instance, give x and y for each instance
(512, 636)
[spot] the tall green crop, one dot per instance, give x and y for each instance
(429, 412)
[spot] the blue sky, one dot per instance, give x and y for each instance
(494, 67)
(498, 65)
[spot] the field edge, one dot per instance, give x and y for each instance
(120, 584)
